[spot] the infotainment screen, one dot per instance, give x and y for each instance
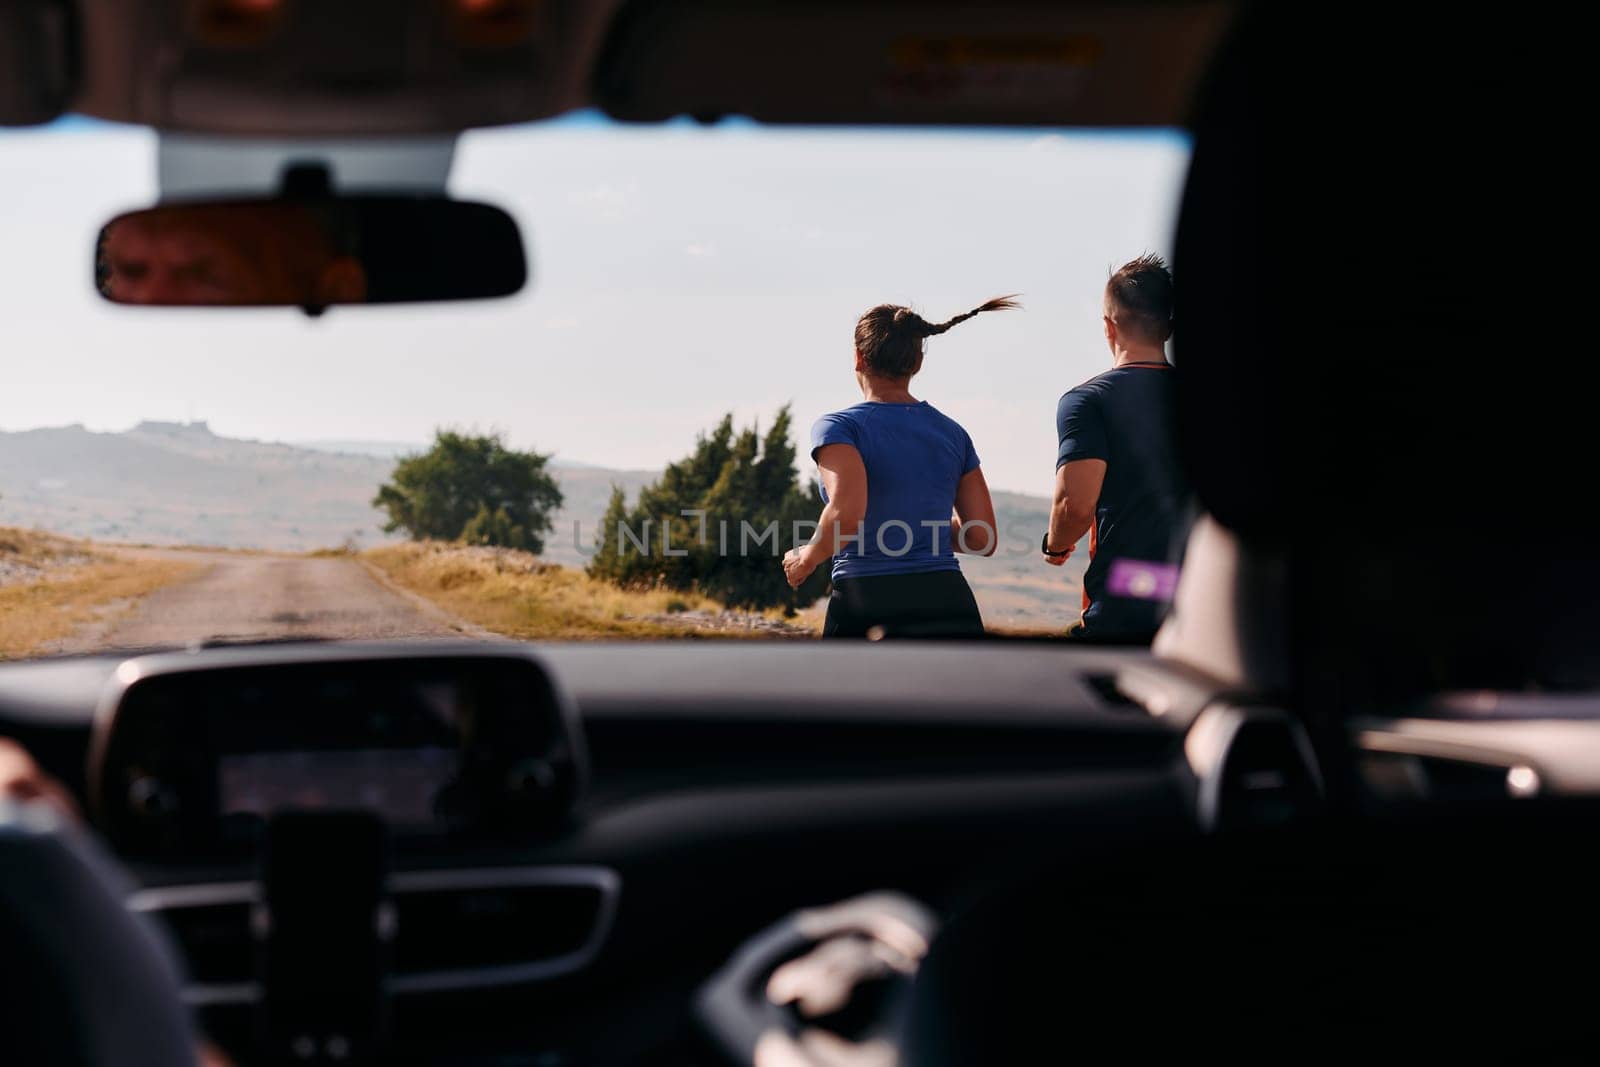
(402, 785)
(197, 757)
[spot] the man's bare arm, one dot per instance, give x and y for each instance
(1077, 495)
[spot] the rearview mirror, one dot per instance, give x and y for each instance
(309, 252)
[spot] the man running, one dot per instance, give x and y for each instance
(1117, 474)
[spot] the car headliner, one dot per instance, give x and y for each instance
(408, 67)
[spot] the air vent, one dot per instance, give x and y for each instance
(462, 929)
(1399, 777)
(210, 925)
(453, 929)
(1253, 768)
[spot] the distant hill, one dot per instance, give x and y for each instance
(179, 483)
(171, 483)
(587, 491)
(1015, 586)
(396, 449)
(382, 449)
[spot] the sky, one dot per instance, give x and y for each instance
(678, 273)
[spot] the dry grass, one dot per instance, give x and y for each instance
(32, 547)
(338, 552)
(515, 594)
(50, 586)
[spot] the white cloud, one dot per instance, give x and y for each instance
(700, 250)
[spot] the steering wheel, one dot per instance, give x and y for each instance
(762, 1007)
(82, 980)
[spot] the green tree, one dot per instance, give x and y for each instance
(471, 488)
(494, 528)
(746, 485)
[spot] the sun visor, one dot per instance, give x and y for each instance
(354, 68)
(36, 61)
(1132, 64)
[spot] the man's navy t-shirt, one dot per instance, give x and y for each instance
(915, 456)
(1124, 417)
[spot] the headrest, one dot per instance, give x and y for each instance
(1352, 329)
(1380, 323)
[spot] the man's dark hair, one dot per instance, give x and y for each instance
(1139, 295)
(889, 337)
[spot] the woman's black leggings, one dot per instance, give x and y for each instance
(930, 604)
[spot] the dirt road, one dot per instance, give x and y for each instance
(246, 596)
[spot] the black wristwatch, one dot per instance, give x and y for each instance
(1044, 546)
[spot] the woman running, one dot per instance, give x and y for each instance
(904, 493)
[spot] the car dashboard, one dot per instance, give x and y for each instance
(562, 819)
(560, 842)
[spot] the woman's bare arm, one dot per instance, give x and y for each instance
(844, 476)
(972, 527)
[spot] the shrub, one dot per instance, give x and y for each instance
(735, 478)
(471, 488)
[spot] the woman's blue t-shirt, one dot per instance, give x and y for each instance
(915, 457)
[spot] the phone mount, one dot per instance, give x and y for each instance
(323, 930)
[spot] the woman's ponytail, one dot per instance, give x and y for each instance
(999, 303)
(889, 337)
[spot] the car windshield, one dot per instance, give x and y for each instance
(629, 447)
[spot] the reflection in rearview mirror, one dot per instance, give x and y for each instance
(311, 253)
